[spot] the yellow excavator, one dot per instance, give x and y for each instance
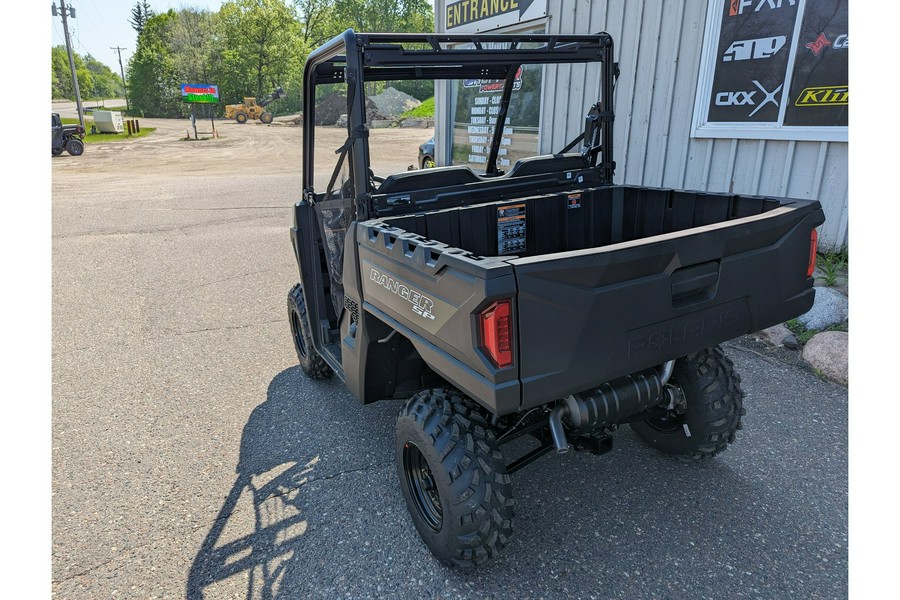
(251, 109)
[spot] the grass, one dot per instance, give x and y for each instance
(804, 334)
(93, 138)
(832, 265)
(423, 111)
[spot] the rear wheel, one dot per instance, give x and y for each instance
(241, 117)
(266, 117)
(56, 151)
(428, 162)
(75, 147)
(311, 362)
(707, 410)
(453, 478)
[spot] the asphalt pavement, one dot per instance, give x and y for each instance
(191, 458)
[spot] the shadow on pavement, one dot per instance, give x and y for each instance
(276, 460)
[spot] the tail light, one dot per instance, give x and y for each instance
(813, 247)
(495, 332)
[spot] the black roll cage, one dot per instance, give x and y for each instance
(355, 58)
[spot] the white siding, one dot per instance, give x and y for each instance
(658, 46)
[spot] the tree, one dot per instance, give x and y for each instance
(262, 48)
(153, 83)
(140, 14)
(385, 15)
(317, 21)
(195, 45)
(95, 79)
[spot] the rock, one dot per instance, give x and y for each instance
(828, 353)
(341, 121)
(791, 342)
(775, 335)
(829, 308)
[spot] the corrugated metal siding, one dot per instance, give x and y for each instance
(658, 46)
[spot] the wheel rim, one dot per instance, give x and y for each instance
(298, 337)
(422, 487)
(675, 419)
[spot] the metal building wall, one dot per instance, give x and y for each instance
(658, 46)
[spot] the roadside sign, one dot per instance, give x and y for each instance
(199, 93)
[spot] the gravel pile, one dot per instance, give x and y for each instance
(393, 102)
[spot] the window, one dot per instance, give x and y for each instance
(474, 106)
(774, 69)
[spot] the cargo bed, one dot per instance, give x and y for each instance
(606, 280)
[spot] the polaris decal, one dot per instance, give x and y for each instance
(421, 305)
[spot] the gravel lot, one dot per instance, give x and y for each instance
(192, 459)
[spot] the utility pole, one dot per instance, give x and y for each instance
(119, 50)
(65, 12)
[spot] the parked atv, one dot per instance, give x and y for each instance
(65, 137)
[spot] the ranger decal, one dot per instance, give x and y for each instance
(421, 305)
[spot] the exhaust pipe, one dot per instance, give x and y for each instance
(609, 403)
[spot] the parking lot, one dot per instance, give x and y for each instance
(192, 459)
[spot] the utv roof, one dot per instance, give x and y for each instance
(397, 56)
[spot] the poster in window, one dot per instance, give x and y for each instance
(819, 94)
(751, 61)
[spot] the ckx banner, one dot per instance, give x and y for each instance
(768, 70)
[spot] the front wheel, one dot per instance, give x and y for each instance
(311, 362)
(75, 147)
(453, 478)
(707, 408)
(266, 117)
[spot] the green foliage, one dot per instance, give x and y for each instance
(420, 89)
(248, 47)
(384, 15)
(95, 79)
(832, 265)
(97, 138)
(262, 49)
(153, 83)
(804, 334)
(423, 111)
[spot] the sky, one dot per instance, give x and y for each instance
(103, 24)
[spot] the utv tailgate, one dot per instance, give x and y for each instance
(588, 316)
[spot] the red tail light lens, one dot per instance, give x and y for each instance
(495, 332)
(813, 247)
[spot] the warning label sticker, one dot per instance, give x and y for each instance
(511, 229)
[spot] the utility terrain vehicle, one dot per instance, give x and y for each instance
(540, 300)
(65, 137)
